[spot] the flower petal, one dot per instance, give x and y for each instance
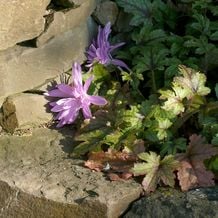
(61, 123)
(113, 47)
(119, 63)
(52, 104)
(102, 55)
(69, 114)
(72, 115)
(56, 93)
(97, 100)
(86, 111)
(58, 108)
(77, 75)
(65, 89)
(63, 101)
(88, 83)
(103, 34)
(91, 53)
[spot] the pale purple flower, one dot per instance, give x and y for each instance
(72, 98)
(100, 50)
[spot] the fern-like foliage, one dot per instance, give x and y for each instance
(140, 9)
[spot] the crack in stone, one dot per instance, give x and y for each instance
(54, 6)
(67, 192)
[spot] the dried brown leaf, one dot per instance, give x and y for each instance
(94, 165)
(119, 177)
(116, 164)
(192, 172)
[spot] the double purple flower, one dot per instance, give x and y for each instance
(100, 50)
(72, 98)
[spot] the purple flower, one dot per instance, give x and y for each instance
(72, 98)
(100, 50)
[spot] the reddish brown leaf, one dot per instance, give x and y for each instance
(199, 150)
(119, 177)
(94, 165)
(114, 177)
(139, 146)
(126, 176)
(192, 172)
(112, 162)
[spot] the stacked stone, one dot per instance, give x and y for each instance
(39, 40)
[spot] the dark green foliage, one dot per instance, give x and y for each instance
(168, 33)
(171, 91)
(164, 35)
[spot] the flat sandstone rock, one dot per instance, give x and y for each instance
(25, 110)
(23, 69)
(38, 179)
(64, 21)
(21, 20)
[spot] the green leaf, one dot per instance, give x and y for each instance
(126, 77)
(174, 99)
(202, 24)
(131, 118)
(173, 147)
(192, 81)
(156, 170)
(151, 135)
(214, 10)
(91, 141)
(214, 141)
(146, 106)
(191, 42)
(100, 73)
(141, 10)
(212, 164)
(163, 125)
(214, 36)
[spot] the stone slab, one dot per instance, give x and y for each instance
(24, 111)
(21, 20)
(38, 178)
(171, 203)
(66, 20)
(22, 68)
(106, 11)
(1, 102)
(69, 2)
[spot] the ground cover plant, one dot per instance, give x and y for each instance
(153, 92)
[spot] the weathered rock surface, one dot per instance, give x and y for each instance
(122, 22)
(38, 179)
(68, 2)
(20, 21)
(22, 68)
(169, 203)
(1, 102)
(106, 11)
(66, 20)
(24, 111)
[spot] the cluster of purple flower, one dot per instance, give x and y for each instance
(100, 50)
(73, 97)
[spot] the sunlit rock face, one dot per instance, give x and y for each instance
(21, 20)
(39, 41)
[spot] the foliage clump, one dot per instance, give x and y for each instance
(160, 121)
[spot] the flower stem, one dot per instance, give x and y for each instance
(154, 86)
